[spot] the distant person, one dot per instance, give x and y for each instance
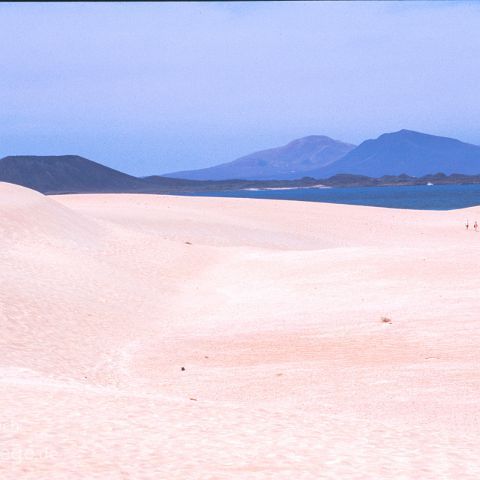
(475, 226)
(466, 224)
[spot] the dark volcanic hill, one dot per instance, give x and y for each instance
(294, 160)
(65, 173)
(412, 153)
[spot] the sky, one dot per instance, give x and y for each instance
(151, 88)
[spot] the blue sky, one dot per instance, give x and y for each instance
(157, 87)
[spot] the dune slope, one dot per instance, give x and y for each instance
(149, 337)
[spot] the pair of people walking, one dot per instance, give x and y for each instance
(475, 225)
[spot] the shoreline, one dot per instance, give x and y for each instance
(260, 189)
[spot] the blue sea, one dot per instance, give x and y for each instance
(422, 197)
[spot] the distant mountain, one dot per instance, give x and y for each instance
(294, 160)
(412, 153)
(300, 163)
(65, 173)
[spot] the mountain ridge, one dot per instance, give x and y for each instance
(405, 152)
(293, 160)
(410, 152)
(58, 173)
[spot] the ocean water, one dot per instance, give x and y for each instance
(422, 197)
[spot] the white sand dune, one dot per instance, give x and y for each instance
(274, 310)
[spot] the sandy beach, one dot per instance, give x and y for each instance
(162, 337)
